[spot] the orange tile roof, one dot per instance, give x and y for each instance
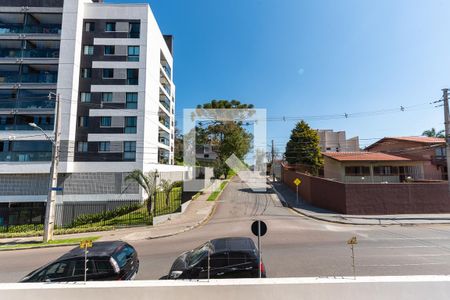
(419, 139)
(364, 156)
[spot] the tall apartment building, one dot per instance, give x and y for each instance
(112, 69)
(331, 141)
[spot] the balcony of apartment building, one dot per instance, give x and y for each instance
(163, 156)
(30, 24)
(28, 101)
(28, 75)
(29, 51)
(23, 151)
(17, 121)
(164, 101)
(164, 120)
(167, 70)
(164, 138)
(165, 83)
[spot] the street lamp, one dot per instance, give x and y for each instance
(49, 224)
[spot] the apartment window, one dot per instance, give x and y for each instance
(109, 50)
(105, 122)
(83, 122)
(129, 150)
(110, 26)
(134, 30)
(133, 53)
(86, 73)
(85, 97)
(107, 97)
(89, 26)
(132, 76)
(82, 146)
(132, 99)
(88, 50)
(130, 124)
(357, 171)
(108, 73)
(104, 146)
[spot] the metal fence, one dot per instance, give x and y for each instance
(27, 217)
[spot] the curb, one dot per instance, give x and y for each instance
(312, 216)
(40, 247)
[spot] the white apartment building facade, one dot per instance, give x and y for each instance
(331, 141)
(112, 69)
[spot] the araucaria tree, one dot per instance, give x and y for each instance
(303, 148)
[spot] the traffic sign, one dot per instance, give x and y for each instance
(58, 189)
(352, 241)
(261, 226)
(297, 181)
(85, 244)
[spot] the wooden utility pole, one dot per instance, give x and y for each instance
(447, 133)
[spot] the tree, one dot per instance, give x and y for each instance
(303, 147)
(167, 187)
(432, 133)
(148, 183)
(178, 149)
(226, 137)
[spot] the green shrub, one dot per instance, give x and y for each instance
(22, 228)
(58, 231)
(103, 216)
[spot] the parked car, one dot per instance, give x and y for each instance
(115, 260)
(234, 257)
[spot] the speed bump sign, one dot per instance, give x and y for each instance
(297, 181)
(85, 244)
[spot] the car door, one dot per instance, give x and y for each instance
(240, 265)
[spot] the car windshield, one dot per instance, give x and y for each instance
(196, 255)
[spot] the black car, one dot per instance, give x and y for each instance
(106, 261)
(235, 257)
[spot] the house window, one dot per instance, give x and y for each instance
(82, 146)
(129, 150)
(130, 124)
(109, 50)
(86, 73)
(385, 171)
(105, 122)
(88, 50)
(85, 97)
(108, 73)
(132, 76)
(104, 146)
(357, 171)
(107, 97)
(89, 26)
(110, 26)
(133, 53)
(83, 122)
(132, 99)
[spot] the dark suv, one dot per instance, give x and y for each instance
(235, 257)
(106, 261)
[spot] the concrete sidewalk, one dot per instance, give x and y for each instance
(197, 213)
(288, 197)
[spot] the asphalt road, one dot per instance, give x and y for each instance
(293, 246)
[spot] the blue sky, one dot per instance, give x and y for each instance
(312, 58)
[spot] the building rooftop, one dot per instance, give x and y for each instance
(363, 156)
(415, 139)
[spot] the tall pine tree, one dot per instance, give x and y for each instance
(303, 148)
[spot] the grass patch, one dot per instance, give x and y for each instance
(33, 233)
(217, 192)
(61, 242)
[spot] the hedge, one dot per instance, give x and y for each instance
(104, 216)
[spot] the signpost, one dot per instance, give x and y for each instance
(297, 182)
(352, 242)
(259, 228)
(85, 245)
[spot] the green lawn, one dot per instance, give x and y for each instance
(61, 242)
(216, 193)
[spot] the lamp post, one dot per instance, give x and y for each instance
(50, 208)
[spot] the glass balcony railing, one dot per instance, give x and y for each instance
(20, 28)
(25, 103)
(165, 103)
(164, 140)
(166, 88)
(167, 69)
(33, 53)
(25, 127)
(13, 77)
(165, 122)
(25, 156)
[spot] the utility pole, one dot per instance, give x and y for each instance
(273, 162)
(447, 134)
(50, 208)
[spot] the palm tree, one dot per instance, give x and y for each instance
(148, 183)
(167, 187)
(432, 133)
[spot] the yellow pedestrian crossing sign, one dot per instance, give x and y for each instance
(85, 244)
(297, 181)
